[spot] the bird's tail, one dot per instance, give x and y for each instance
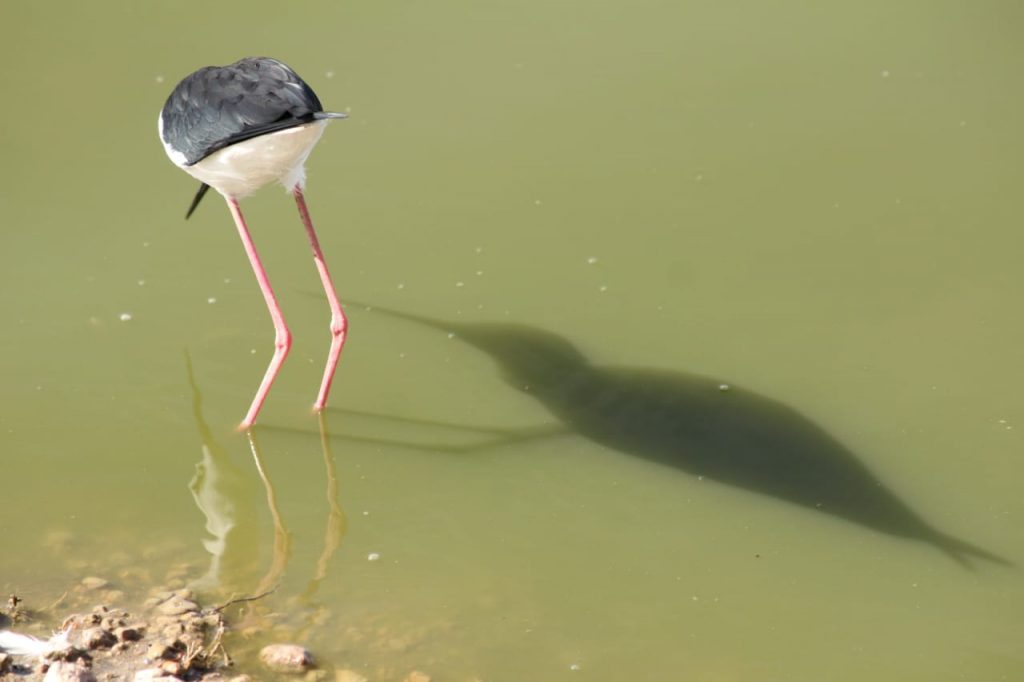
(203, 188)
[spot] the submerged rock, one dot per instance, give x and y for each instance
(286, 658)
(176, 606)
(93, 583)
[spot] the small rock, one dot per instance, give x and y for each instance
(213, 620)
(185, 593)
(348, 676)
(112, 622)
(172, 668)
(159, 650)
(113, 596)
(5, 663)
(240, 678)
(64, 671)
(175, 606)
(128, 633)
(98, 638)
(286, 658)
(417, 676)
(93, 583)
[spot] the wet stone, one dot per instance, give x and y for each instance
(93, 583)
(128, 633)
(171, 668)
(113, 596)
(112, 622)
(159, 650)
(176, 606)
(98, 638)
(286, 658)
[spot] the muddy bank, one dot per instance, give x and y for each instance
(169, 637)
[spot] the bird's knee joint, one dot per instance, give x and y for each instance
(283, 340)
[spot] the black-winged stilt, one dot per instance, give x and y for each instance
(237, 128)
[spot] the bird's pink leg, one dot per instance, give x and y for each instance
(282, 337)
(339, 324)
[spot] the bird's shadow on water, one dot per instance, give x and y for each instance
(698, 425)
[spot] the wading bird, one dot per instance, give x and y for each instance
(237, 128)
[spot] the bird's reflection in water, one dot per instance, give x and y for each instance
(226, 498)
(702, 426)
(337, 523)
(282, 547)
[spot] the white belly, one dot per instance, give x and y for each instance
(242, 168)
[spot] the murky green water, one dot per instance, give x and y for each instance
(815, 203)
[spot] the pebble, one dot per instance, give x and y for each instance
(128, 633)
(286, 658)
(172, 668)
(98, 638)
(158, 650)
(113, 596)
(65, 671)
(93, 583)
(176, 606)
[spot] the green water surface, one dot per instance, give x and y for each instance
(817, 202)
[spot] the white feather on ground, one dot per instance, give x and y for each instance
(27, 645)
